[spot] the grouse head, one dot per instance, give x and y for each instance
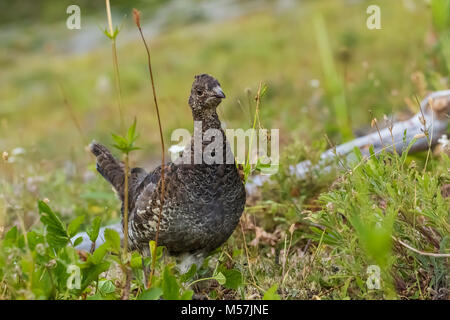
(206, 93)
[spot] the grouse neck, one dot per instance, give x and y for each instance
(208, 118)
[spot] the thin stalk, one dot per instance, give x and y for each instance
(374, 123)
(118, 84)
(119, 98)
(124, 260)
(136, 15)
(116, 64)
(422, 253)
(125, 204)
(199, 280)
(429, 139)
(247, 167)
(108, 13)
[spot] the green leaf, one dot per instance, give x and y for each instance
(11, 237)
(371, 151)
(233, 278)
(136, 261)
(171, 290)
(406, 151)
(57, 236)
(121, 141)
(131, 132)
(159, 250)
(187, 295)
(189, 274)
(263, 91)
(106, 287)
(112, 36)
(112, 238)
(358, 154)
(91, 273)
(77, 241)
(99, 254)
(220, 278)
(271, 294)
(74, 225)
(94, 229)
(153, 293)
(126, 144)
(34, 239)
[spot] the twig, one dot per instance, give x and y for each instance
(375, 123)
(124, 260)
(430, 254)
(125, 205)
(430, 102)
(136, 16)
(127, 287)
(116, 64)
(108, 13)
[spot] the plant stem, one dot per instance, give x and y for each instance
(247, 167)
(429, 139)
(116, 64)
(119, 98)
(198, 280)
(124, 260)
(118, 85)
(162, 180)
(108, 13)
(125, 207)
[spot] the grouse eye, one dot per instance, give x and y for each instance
(199, 92)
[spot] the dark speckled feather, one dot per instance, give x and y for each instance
(202, 203)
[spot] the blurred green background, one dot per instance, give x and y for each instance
(239, 42)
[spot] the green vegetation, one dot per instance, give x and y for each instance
(316, 238)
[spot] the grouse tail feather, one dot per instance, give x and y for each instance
(109, 167)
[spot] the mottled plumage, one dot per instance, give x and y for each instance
(202, 203)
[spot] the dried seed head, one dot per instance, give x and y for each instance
(51, 264)
(419, 135)
(292, 228)
(137, 17)
(46, 200)
(5, 155)
(422, 120)
(430, 102)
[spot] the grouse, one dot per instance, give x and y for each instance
(203, 201)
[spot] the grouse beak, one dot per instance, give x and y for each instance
(218, 93)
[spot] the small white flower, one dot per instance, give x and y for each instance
(18, 151)
(444, 141)
(176, 148)
(314, 83)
